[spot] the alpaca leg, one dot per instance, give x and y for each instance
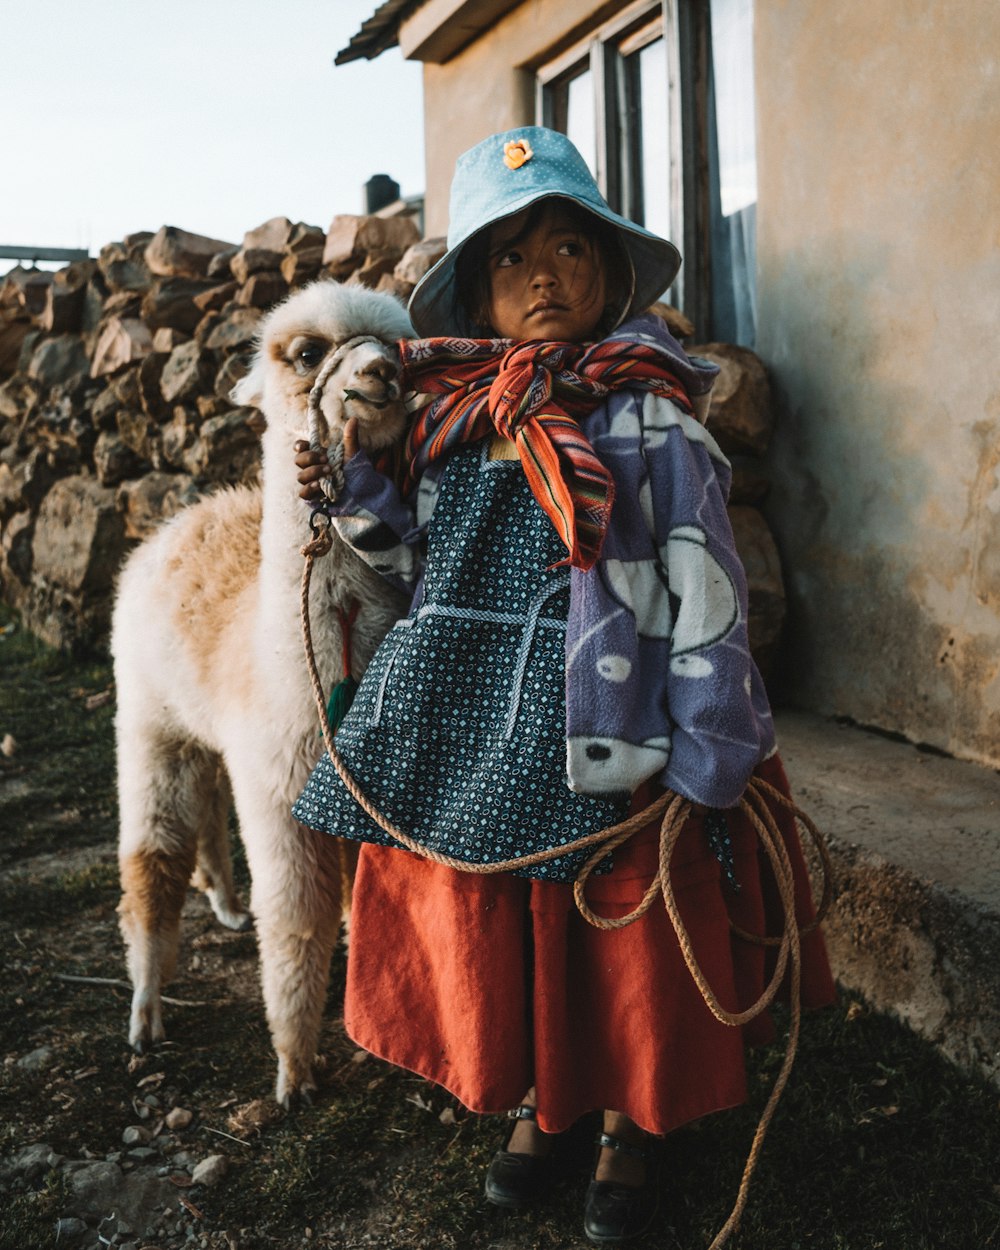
(297, 929)
(162, 784)
(214, 869)
(297, 908)
(347, 852)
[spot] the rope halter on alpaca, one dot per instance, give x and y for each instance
(342, 694)
(671, 810)
(332, 486)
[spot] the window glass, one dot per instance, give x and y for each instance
(733, 173)
(732, 63)
(581, 121)
(654, 138)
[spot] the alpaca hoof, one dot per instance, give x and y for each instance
(294, 1087)
(146, 1024)
(230, 913)
(297, 1099)
(239, 922)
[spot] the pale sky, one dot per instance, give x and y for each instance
(211, 115)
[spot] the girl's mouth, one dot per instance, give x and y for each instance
(542, 306)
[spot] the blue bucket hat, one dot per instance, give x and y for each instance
(505, 174)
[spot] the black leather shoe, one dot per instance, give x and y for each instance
(517, 1180)
(614, 1212)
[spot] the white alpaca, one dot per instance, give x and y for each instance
(212, 683)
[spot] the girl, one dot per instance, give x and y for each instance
(577, 642)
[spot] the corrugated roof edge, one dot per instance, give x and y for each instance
(379, 32)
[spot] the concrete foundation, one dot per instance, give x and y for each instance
(915, 924)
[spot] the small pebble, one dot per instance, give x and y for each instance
(211, 1170)
(70, 1228)
(179, 1118)
(140, 1154)
(8, 746)
(36, 1060)
(135, 1135)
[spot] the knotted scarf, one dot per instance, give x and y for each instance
(533, 394)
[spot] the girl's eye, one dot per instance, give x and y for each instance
(506, 259)
(570, 248)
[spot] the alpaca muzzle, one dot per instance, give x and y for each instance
(369, 388)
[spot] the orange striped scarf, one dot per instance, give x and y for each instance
(533, 394)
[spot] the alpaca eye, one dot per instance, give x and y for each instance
(309, 356)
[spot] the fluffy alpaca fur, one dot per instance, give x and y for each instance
(213, 691)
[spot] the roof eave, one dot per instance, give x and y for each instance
(379, 33)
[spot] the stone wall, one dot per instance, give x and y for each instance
(115, 376)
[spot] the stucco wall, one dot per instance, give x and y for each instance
(490, 86)
(879, 317)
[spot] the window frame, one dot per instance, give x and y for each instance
(683, 26)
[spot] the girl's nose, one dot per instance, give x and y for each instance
(542, 275)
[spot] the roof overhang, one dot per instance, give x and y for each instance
(379, 32)
(435, 29)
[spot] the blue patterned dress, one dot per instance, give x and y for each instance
(458, 731)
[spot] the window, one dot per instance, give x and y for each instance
(659, 101)
(732, 169)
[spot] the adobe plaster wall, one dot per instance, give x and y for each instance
(879, 310)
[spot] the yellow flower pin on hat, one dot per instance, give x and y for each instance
(517, 153)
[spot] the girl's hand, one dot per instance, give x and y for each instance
(313, 466)
(350, 439)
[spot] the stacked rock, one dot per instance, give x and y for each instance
(115, 377)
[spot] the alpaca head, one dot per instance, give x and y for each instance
(299, 337)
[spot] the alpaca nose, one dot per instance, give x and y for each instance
(381, 368)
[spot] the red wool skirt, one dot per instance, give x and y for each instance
(488, 985)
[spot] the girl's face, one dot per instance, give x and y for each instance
(546, 281)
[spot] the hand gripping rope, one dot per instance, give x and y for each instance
(332, 486)
(672, 810)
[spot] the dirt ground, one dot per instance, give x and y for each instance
(879, 1143)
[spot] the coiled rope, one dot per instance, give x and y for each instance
(672, 810)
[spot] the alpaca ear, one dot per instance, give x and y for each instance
(249, 390)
